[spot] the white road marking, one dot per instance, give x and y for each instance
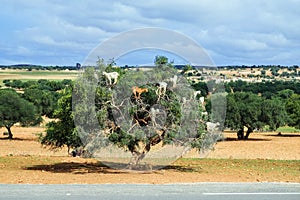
(249, 193)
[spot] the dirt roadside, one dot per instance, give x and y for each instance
(262, 158)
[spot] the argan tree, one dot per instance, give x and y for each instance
(244, 109)
(142, 110)
(14, 109)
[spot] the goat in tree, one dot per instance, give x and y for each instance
(153, 113)
(196, 93)
(111, 76)
(138, 91)
(201, 99)
(174, 80)
(161, 90)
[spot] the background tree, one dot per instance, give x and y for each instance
(14, 109)
(201, 86)
(62, 132)
(293, 110)
(44, 100)
(273, 113)
(233, 116)
(244, 109)
(187, 68)
(161, 60)
(43, 93)
(285, 94)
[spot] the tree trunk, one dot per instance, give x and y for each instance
(137, 156)
(240, 134)
(10, 135)
(250, 130)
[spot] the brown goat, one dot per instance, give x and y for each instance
(138, 91)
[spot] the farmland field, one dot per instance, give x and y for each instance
(13, 74)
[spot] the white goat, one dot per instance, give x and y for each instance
(153, 113)
(162, 88)
(111, 76)
(174, 80)
(196, 93)
(201, 99)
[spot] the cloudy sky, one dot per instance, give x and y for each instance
(56, 32)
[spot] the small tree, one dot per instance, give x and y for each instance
(161, 60)
(115, 115)
(14, 109)
(243, 110)
(62, 132)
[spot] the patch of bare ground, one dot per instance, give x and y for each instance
(266, 145)
(26, 143)
(264, 157)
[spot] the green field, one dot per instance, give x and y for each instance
(25, 75)
(287, 129)
(38, 73)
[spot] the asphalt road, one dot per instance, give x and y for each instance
(211, 191)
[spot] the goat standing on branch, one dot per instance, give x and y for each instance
(153, 113)
(196, 93)
(174, 80)
(138, 91)
(111, 76)
(161, 90)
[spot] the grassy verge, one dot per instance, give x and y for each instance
(287, 129)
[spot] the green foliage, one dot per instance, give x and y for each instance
(161, 60)
(62, 131)
(42, 93)
(273, 113)
(285, 94)
(233, 116)
(45, 101)
(271, 87)
(41, 84)
(186, 68)
(201, 86)
(244, 109)
(293, 110)
(254, 112)
(15, 109)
